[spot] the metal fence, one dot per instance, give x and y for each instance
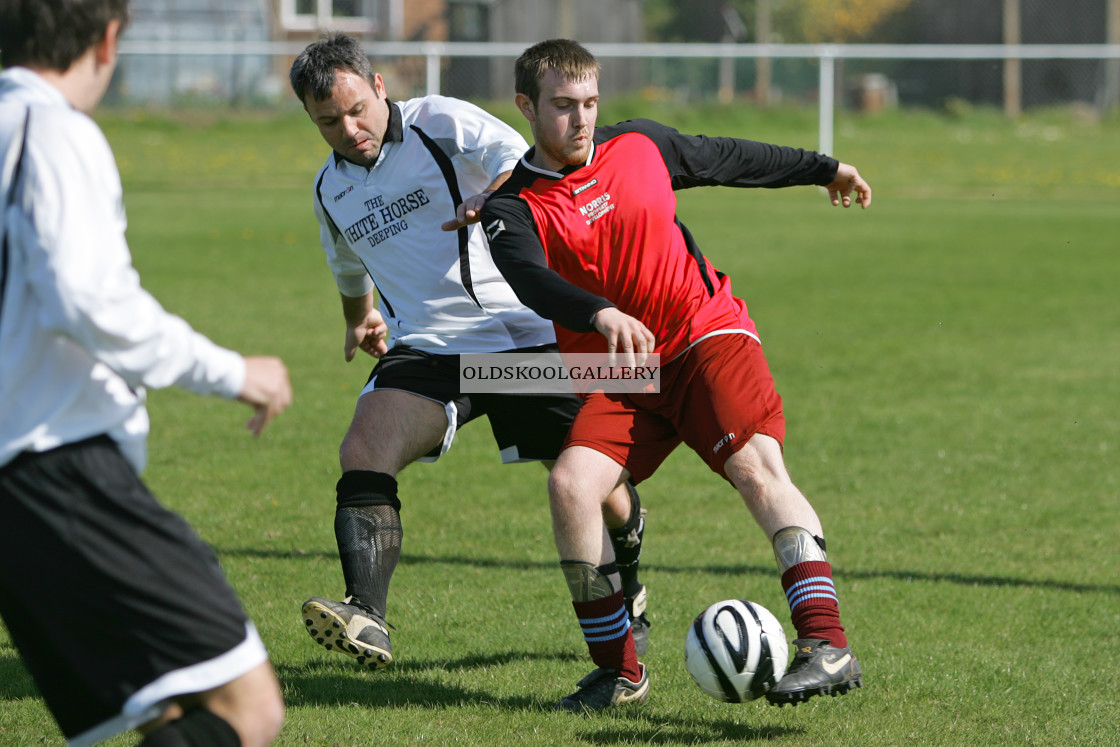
(830, 77)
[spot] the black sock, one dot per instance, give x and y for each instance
(627, 544)
(200, 727)
(367, 527)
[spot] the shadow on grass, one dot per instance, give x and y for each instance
(667, 730)
(414, 683)
(15, 681)
(959, 579)
(407, 684)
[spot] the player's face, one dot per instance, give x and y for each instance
(563, 119)
(353, 119)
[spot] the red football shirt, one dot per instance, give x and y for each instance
(606, 233)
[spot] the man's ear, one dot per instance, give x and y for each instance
(526, 107)
(105, 48)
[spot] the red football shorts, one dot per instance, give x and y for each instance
(714, 397)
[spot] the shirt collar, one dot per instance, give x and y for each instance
(526, 160)
(41, 91)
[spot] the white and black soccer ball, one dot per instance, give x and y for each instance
(736, 650)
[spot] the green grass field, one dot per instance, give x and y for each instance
(949, 361)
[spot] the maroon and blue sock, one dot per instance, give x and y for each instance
(606, 629)
(813, 604)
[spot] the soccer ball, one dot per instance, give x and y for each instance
(736, 650)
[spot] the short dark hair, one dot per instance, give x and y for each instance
(53, 34)
(314, 70)
(569, 58)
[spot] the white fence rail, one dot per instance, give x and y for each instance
(825, 55)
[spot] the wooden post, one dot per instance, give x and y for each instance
(565, 20)
(1112, 67)
(734, 31)
(1012, 72)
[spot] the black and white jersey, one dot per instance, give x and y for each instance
(439, 291)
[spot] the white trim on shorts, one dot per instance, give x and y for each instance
(150, 701)
(715, 333)
(510, 455)
(449, 408)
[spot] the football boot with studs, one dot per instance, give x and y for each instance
(352, 629)
(605, 688)
(818, 668)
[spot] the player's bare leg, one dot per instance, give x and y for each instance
(822, 664)
(625, 520)
(391, 429)
(579, 485)
(759, 473)
(246, 711)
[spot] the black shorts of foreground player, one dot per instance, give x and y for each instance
(397, 203)
(119, 610)
(586, 232)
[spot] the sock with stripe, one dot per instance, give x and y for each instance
(606, 627)
(813, 604)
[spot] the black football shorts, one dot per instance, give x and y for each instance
(113, 601)
(527, 427)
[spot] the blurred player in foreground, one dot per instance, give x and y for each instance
(585, 231)
(119, 610)
(397, 203)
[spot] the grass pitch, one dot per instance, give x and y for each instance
(949, 365)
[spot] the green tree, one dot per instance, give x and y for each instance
(811, 21)
(828, 21)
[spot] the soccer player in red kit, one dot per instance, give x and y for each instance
(586, 232)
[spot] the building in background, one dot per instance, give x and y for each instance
(175, 79)
(531, 21)
(217, 74)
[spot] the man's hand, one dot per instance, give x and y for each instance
(625, 335)
(847, 181)
(467, 212)
(266, 389)
(369, 335)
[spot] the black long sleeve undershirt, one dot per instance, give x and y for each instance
(692, 161)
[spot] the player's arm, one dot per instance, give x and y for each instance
(519, 255)
(470, 209)
(695, 160)
(92, 294)
(847, 181)
(626, 336)
(700, 160)
(488, 144)
(267, 390)
(365, 327)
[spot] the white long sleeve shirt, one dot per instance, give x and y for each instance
(80, 339)
(438, 291)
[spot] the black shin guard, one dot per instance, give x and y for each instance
(627, 544)
(200, 727)
(367, 527)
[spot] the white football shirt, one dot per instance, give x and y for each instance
(439, 291)
(80, 339)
